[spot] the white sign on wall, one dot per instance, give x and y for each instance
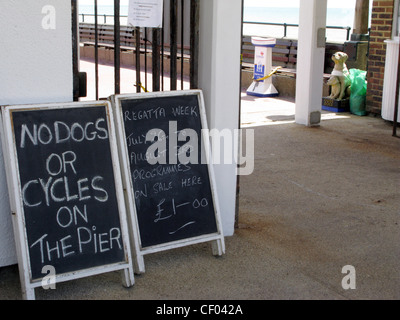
(145, 13)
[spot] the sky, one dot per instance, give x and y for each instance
(250, 3)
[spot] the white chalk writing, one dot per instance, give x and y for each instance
(61, 132)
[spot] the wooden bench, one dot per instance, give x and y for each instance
(106, 34)
(127, 39)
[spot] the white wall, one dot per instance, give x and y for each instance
(219, 78)
(36, 67)
(390, 80)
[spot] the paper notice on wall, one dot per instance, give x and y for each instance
(145, 13)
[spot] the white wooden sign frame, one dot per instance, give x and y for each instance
(14, 186)
(217, 239)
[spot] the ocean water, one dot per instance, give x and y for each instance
(335, 17)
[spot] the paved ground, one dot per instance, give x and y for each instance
(318, 200)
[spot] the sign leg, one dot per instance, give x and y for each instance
(218, 247)
(28, 293)
(128, 279)
(139, 264)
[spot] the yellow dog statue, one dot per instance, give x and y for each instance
(340, 77)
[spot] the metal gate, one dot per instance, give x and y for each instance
(169, 47)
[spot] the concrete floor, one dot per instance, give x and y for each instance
(319, 199)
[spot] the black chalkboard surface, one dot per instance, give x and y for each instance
(170, 183)
(66, 188)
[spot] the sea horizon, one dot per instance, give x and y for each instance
(338, 17)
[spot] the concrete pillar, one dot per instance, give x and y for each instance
(36, 67)
(310, 61)
(219, 78)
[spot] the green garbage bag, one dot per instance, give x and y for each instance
(358, 92)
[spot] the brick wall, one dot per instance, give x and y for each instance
(381, 29)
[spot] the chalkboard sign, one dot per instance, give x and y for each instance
(170, 188)
(67, 198)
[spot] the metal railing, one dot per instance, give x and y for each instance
(189, 22)
(82, 17)
(286, 25)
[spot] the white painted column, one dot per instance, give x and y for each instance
(219, 78)
(310, 61)
(36, 67)
(390, 79)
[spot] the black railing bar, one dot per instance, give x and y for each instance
(156, 59)
(162, 50)
(145, 57)
(138, 81)
(173, 44)
(194, 43)
(117, 47)
(182, 39)
(96, 49)
(75, 46)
